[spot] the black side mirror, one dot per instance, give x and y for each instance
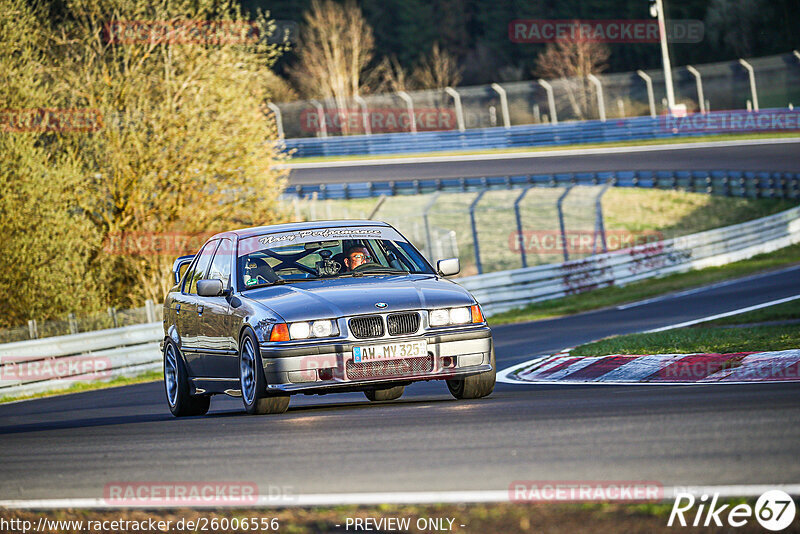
(209, 288)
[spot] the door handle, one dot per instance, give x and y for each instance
(200, 310)
(178, 308)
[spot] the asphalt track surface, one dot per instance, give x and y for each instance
(72, 446)
(781, 156)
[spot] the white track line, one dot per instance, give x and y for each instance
(407, 497)
(706, 288)
(533, 155)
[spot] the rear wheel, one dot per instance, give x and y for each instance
(385, 394)
(475, 386)
(176, 385)
(253, 383)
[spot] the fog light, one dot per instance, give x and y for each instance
(325, 374)
(447, 361)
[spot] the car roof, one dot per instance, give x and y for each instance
(289, 227)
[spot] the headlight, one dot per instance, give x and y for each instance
(439, 317)
(305, 330)
(446, 316)
(460, 315)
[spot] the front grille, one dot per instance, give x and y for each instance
(366, 327)
(402, 323)
(407, 366)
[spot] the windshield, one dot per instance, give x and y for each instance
(301, 256)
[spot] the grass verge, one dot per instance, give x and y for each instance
(644, 142)
(788, 311)
(613, 296)
(690, 340)
(149, 376)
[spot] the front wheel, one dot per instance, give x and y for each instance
(388, 394)
(475, 386)
(253, 383)
(176, 385)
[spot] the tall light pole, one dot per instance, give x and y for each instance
(662, 30)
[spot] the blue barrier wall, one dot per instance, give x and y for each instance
(568, 133)
(715, 182)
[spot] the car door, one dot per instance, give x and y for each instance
(187, 315)
(215, 331)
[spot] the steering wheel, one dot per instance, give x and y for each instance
(370, 265)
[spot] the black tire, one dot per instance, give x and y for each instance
(475, 386)
(253, 383)
(176, 385)
(388, 394)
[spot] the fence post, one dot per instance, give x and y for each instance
(73, 323)
(475, 230)
(551, 101)
(560, 206)
(278, 118)
(150, 311)
(112, 312)
(33, 329)
(699, 80)
(323, 127)
(752, 75)
(412, 123)
(503, 104)
(599, 223)
(459, 110)
(364, 113)
(428, 240)
(650, 98)
(601, 104)
(520, 237)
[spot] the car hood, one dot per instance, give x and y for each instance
(341, 297)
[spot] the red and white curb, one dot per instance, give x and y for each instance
(734, 368)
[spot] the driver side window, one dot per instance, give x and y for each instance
(221, 264)
(200, 267)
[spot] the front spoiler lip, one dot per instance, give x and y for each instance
(350, 384)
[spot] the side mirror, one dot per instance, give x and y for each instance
(209, 288)
(448, 267)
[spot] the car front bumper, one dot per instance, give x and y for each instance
(452, 353)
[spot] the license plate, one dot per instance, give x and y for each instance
(392, 351)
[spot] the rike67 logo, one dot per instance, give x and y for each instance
(774, 510)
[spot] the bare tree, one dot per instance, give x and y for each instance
(572, 61)
(336, 47)
(388, 76)
(437, 70)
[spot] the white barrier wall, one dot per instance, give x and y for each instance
(57, 362)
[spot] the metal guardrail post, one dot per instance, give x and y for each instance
(503, 104)
(472, 207)
(601, 104)
(323, 126)
(699, 80)
(650, 97)
(428, 240)
(278, 118)
(459, 110)
(73, 323)
(150, 311)
(520, 237)
(752, 74)
(33, 329)
(551, 101)
(562, 226)
(412, 123)
(599, 224)
(364, 113)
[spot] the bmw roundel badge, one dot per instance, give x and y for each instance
(380, 305)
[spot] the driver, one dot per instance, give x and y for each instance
(257, 270)
(356, 255)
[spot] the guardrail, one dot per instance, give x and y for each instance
(502, 291)
(541, 135)
(755, 184)
(28, 367)
(57, 362)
